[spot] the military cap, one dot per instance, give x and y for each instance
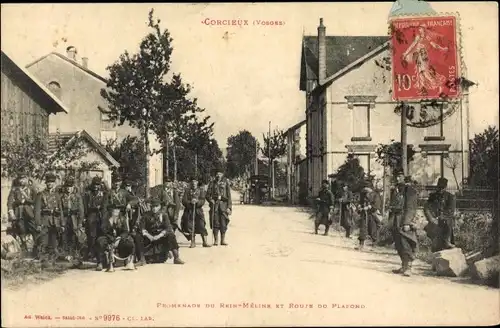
(408, 178)
(167, 179)
(442, 183)
(50, 177)
(155, 202)
(325, 181)
(22, 174)
(193, 178)
(96, 180)
(69, 181)
(117, 179)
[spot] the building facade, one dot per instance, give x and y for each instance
(296, 162)
(26, 105)
(350, 110)
(80, 89)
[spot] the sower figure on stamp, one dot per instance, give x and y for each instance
(21, 210)
(193, 218)
(325, 207)
(115, 238)
(403, 208)
(440, 212)
(94, 210)
(345, 201)
(158, 233)
(48, 219)
(370, 215)
(73, 236)
(219, 198)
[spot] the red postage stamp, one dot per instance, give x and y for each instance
(425, 62)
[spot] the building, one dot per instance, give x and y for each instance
(296, 163)
(80, 89)
(350, 110)
(94, 153)
(26, 106)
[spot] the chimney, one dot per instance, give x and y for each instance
(321, 51)
(85, 62)
(71, 52)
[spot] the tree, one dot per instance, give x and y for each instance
(32, 155)
(484, 158)
(241, 153)
(131, 155)
(391, 155)
(136, 82)
(275, 146)
(351, 173)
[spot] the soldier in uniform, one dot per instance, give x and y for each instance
(325, 202)
(440, 212)
(219, 199)
(127, 202)
(115, 238)
(49, 220)
(94, 211)
(193, 218)
(345, 200)
(158, 233)
(370, 215)
(170, 203)
(402, 210)
(73, 210)
(21, 210)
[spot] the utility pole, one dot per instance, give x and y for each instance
(269, 158)
(256, 157)
(404, 141)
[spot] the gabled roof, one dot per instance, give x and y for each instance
(296, 126)
(340, 52)
(55, 105)
(69, 60)
(66, 138)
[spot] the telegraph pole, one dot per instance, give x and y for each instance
(269, 157)
(256, 157)
(404, 139)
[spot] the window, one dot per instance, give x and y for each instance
(434, 168)
(107, 135)
(361, 123)
(435, 132)
(55, 88)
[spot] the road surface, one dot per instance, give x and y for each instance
(291, 276)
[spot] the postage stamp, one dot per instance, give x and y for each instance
(425, 61)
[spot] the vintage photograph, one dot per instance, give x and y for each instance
(250, 164)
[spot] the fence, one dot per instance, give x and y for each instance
(467, 199)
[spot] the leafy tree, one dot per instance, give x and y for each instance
(484, 158)
(241, 153)
(275, 146)
(351, 173)
(136, 82)
(390, 155)
(131, 155)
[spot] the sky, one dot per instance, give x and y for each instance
(244, 75)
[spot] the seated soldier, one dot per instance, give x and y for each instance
(116, 237)
(159, 234)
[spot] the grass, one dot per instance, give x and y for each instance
(19, 272)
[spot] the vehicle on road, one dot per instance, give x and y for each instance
(258, 189)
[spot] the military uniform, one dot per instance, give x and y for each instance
(325, 206)
(115, 238)
(94, 211)
(370, 212)
(440, 212)
(402, 210)
(49, 220)
(21, 210)
(171, 204)
(158, 233)
(219, 198)
(345, 200)
(193, 201)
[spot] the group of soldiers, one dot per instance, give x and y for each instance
(108, 225)
(439, 211)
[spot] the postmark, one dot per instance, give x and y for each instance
(425, 57)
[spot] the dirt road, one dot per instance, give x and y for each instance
(274, 272)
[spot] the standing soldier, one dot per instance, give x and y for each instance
(159, 234)
(345, 200)
(403, 208)
(193, 218)
(48, 218)
(170, 203)
(73, 236)
(94, 211)
(115, 238)
(370, 212)
(21, 210)
(134, 214)
(325, 201)
(440, 212)
(219, 199)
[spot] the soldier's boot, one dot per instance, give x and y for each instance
(408, 271)
(99, 267)
(109, 263)
(223, 239)
(204, 239)
(177, 259)
(129, 263)
(348, 232)
(316, 227)
(326, 230)
(361, 245)
(142, 260)
(193, 242)
(401, 269)
(216, 237)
